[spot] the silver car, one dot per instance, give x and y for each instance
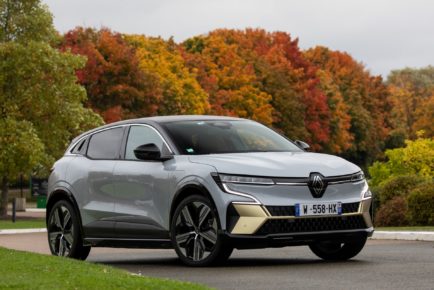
(203, 185)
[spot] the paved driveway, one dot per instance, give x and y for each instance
(382, 265)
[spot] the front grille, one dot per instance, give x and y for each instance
(298, 225)
(277, 210)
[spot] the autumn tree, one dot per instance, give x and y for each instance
(229, 79)
(412, 96)
(116, 87)
(260, 75)
(180, 91)
(40, 100)
(300, 107)
(340, 121)
(365, 97)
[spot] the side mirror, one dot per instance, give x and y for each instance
(302, 145)
(150, 152)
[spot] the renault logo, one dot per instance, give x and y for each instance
(317, 184)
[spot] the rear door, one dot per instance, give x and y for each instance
(98, 205)
(142, 188)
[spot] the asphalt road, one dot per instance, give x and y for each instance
(381, 265)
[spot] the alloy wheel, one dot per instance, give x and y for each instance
(61, 231)
(196, 231)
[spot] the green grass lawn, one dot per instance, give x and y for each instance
(22, 270)
(414, 229)
(22, 224)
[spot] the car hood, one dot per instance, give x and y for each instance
(277, 164)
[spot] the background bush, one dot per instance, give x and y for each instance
(404, 200)
(403, 185)
(393, 213)
(421, 205)
(397, 186)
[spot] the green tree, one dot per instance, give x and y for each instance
(23, 20)
(40, 100)
(417, 158)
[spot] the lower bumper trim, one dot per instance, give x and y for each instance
(296, 239)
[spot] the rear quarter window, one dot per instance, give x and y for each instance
(79, 148)
(105, 144)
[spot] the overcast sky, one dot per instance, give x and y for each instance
(382, 34)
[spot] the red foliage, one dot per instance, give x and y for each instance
(112, 114)
(112, 76)
(272, 63)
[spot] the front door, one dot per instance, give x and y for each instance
(142, 188)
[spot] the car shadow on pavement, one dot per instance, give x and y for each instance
(234, 262)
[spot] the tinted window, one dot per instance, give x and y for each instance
(141, 135)
(78, 148)
(212, 137)
(106, 144)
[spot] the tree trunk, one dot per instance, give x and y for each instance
(4, 199)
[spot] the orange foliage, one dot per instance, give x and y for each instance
(112, 76)
(321, 96)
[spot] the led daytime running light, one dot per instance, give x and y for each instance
(245, 179)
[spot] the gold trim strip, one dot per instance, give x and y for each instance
(253, 216)
(365, 205)
(277, 217)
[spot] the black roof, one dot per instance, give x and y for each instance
(178, 118)
(160, 120)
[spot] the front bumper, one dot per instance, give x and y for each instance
(278, 224)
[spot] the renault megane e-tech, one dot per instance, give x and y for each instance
(203, 185)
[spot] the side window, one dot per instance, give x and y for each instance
(105, 144)
(140, 135)
(78, 148)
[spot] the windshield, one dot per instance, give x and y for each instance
(214, 137)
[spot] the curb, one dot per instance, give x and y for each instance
(36, 210)
(22, 231)
(406, 236)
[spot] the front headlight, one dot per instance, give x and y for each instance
(359, 176)
(224, 178)
(224, 181)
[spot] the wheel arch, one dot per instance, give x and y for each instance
(62, 194)
(186, 191)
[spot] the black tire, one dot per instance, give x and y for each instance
(64, 235)
(338, 251)
(197, 239)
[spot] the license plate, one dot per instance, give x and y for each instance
(329, 208)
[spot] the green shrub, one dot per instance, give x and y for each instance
(416, 158)
(397, 186)
(392, 213)
(421, 205)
